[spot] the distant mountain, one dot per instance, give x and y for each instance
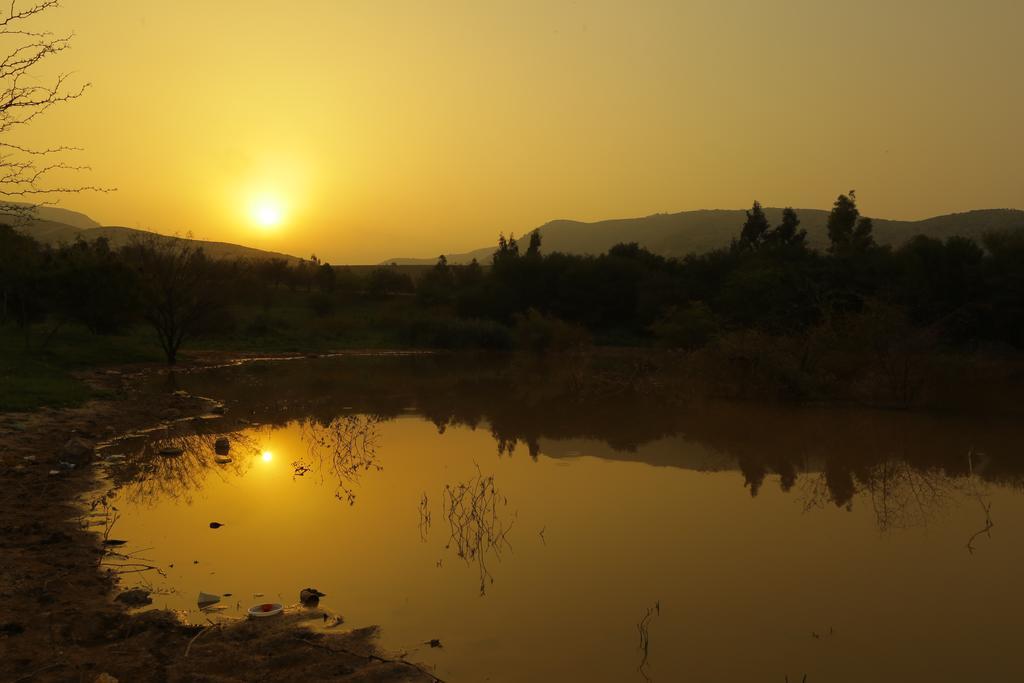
(679, 234)
(55, 226)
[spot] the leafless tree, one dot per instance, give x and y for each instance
(28, 175)
(177, 288)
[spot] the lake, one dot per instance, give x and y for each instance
(545, 524)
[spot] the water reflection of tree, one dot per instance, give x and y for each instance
(900, 495)
(829, 456)
(473, 511)
(147, 475)
(342, 448)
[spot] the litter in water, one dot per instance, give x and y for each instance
(207, 599)
(267, 609)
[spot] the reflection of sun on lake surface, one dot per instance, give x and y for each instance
(876, 585)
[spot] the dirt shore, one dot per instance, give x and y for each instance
(58, 617)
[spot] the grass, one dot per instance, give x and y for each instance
(33, 375)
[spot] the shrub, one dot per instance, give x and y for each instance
(535, 331)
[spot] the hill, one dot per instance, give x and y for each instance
(679, 234)
(55, 226)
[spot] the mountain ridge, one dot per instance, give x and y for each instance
(51, 227)
(698, 231)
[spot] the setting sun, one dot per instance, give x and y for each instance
(267, 212)
(267, 456)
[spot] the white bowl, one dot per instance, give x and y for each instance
(275, 608)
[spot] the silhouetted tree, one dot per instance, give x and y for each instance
(437, 285)
(21, 261)
(754, 229)
(533, 250)
(27, 92)
(848, 232)
(177, 289)
(788, 232)
(326, 279)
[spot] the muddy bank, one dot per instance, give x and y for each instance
(58, 617)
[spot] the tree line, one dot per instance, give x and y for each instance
(956, 292)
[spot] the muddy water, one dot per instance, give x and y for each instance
(546, 528)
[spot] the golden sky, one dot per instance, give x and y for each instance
(383, 129)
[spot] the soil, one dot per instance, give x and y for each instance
(58, 617)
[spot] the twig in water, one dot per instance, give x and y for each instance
(643, 627)
(424, 517)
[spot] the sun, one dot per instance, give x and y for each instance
(267, 212)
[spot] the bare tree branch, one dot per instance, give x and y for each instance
(24, 97)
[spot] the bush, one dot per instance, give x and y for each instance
(455, 333)
(686, 328)
(535, 331)
(321, 303)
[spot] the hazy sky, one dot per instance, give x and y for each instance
(384, 129)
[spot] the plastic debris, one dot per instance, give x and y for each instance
(215, 525)
(266, 609)
(206, 599)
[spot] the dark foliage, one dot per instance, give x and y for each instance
(768, 285)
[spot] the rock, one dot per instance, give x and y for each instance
(78, 450)
(310, 597)
(170, 414)
(137, 597)
(105, 678)
(171, 451)
(218, 410)
(221, 446)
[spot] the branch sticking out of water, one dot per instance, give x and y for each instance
(471, 510)
(424, 517)
(643, 627)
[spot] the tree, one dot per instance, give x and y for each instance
(755, 228)
(30, 173)
(90, 284)
(435, 287)
(177, 289)
(21, 259)
(787, 233)
(533, 250)
(848, 232)
(326, 279)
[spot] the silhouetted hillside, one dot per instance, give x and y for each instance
(61, 226)
(679, 234)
